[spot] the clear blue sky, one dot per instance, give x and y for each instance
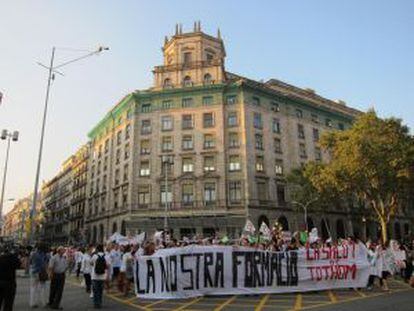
(358, 51)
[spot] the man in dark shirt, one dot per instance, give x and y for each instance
(9, 263)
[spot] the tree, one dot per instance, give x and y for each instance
(371, 160)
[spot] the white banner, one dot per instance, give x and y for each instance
(228, 270)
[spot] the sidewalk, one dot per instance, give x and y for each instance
(74, 298)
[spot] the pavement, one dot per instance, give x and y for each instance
(399, 298)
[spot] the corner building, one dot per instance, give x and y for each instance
(212, 144)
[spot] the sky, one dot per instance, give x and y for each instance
(357, 51)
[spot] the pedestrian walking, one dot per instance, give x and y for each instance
(9, 263)
(78, 261)
(38, 276)
(58, 265)
(87, 269)
(99, 275)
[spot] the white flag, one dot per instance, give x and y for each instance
(249, 227)
(264, 229)
(313, 235)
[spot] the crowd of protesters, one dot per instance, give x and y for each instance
(110, 267)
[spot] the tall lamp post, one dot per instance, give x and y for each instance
(166, 162)
(52, 69)
(5, 134)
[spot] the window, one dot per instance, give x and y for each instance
(187, 143)
(188, 165)
(302, 151)
(275, 106)
(259, 164)
(209, 57)
(187, 121)
(146, 108)
(207, 79)
(144, 196)
(233, 140)
(167, 143)
(116, 198)
(301, 131)
(187, 58)
(276, 126)
(209, 141)
(166, 104)
(328, 122)
(105, 165)
(118, 138)
(341, 126)
(234, 163)
(259, 141)
(277, 144)
(167, 83)
(166, 123)
(126, 168)
(314, 118)
(129, 114)
(318, 154)
(187, 81)
(281, 197)
(145, 147)
(209, 164)
(279, 167)
(299, 113)
(207, 100)
(235, 191)
(232, 119)
(262, 192)
(187, 102)
(167, 162)
(256, 101)
(104, 183)
(187, 194)
(144, 169)
(106, 148)
(257, 120)
(208, 119)
(118, 156)
(315, 134)
(127, 131)
(209, 193)
(116, 178)
(166, 193)
(126, 151)
(231, 99)
(146, 127)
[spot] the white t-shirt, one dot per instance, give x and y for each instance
(78, 256)
(125, 258)
(116, 258)
(94, 276)
(86, 267)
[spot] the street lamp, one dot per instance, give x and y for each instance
(52, 69)
(305, 209)
(167, 161)
(5, 134)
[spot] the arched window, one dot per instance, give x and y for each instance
(94, 233)
(340, 229)
(284, 223)
(262, 218)
(114, 227)
(397, 231)
(309, 223)
(207, 79)
(325, 229)
(101, 233)
(123, 228)
(187, 81)
(167, 83)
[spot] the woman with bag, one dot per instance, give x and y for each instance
(38, 276)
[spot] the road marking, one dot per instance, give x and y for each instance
(332, 296)
(228, 301)
(262, 303)
(127, 303)
(359, 292)
(298, 302)
(184, 306)
(154, 303)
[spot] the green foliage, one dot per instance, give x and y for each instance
(371, 160)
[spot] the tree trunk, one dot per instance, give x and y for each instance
(384, 229)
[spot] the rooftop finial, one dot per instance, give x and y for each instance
(176, 29)
(166, 40)
(218, 33)
(195, 27)
(181, 29)
(199, 26)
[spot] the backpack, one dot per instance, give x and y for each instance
(100, 264)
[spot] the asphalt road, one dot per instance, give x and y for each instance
(399, 298)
